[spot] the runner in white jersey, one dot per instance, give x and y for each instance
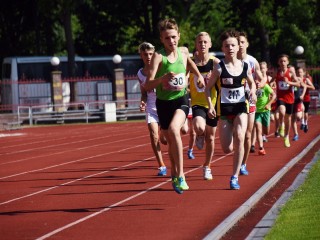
(148, 104)
(257, 75)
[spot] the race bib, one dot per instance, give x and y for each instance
(177, 83)
(232, 95)
(195, 79)
(283, 85)
(227, 81)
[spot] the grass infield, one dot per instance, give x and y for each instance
(299, 218)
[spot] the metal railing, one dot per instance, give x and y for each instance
(86, 111)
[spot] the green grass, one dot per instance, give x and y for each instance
(300, 217)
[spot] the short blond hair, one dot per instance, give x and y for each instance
(145, 46)
(200, 34)
(263, 63)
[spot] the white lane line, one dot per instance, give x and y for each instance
(61, 144)
(53, 137)
(116, 204)
(3, 135)
(74, 161)
(101, 211)
(220, 230)
(79, 179)
(69, 150)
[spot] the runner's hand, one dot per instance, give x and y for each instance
(142, 106)
(212, 113)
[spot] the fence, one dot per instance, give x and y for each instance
(88, 95)
(84, 111)
(30, 93)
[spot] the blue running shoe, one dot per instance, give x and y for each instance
(243, 170)
(176, 185)
(190, 154)
(295, 138)
(234, 185)
(162, 171)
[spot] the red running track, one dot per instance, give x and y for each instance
(98, 181)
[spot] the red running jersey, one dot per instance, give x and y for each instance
(284, 90)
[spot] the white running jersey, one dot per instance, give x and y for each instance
(252, 66)
(151, 95)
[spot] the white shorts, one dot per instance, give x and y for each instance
(152, 116)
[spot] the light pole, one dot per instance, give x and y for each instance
(118, 83)
(56, 85)
(299, 50)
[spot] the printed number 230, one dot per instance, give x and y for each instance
(177, 81)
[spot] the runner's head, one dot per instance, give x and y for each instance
(203, 42)
(169, 33)
(146, 51)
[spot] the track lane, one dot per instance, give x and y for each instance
(167, 210)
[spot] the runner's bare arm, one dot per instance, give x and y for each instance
(262, 80)
(215, 74)
(192, 67)
(155, 64)
(295, 80)
(252, 86)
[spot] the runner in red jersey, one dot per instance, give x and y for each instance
(285, 80)
(306, 100)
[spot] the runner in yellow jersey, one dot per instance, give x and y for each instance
(204, 126)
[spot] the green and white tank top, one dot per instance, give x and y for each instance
(176, 87)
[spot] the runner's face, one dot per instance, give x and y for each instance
(146, 56)
(243, 44)
(263, 68)
(300, 72)
(230, 47)
(203, 44)
(283, 62)
(170, 39)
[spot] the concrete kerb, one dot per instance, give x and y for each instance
(234, 217)
(264, 226)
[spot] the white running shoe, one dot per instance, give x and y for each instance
(207, 175)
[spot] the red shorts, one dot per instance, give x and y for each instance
(274, 106)
(252, 109)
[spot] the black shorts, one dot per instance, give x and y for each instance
(289, 107)
(203, 112)
(167, 108)
(306, 106)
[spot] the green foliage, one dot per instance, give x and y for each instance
(299, 218)
(99, 27)
(209, 16)
(297, 27)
